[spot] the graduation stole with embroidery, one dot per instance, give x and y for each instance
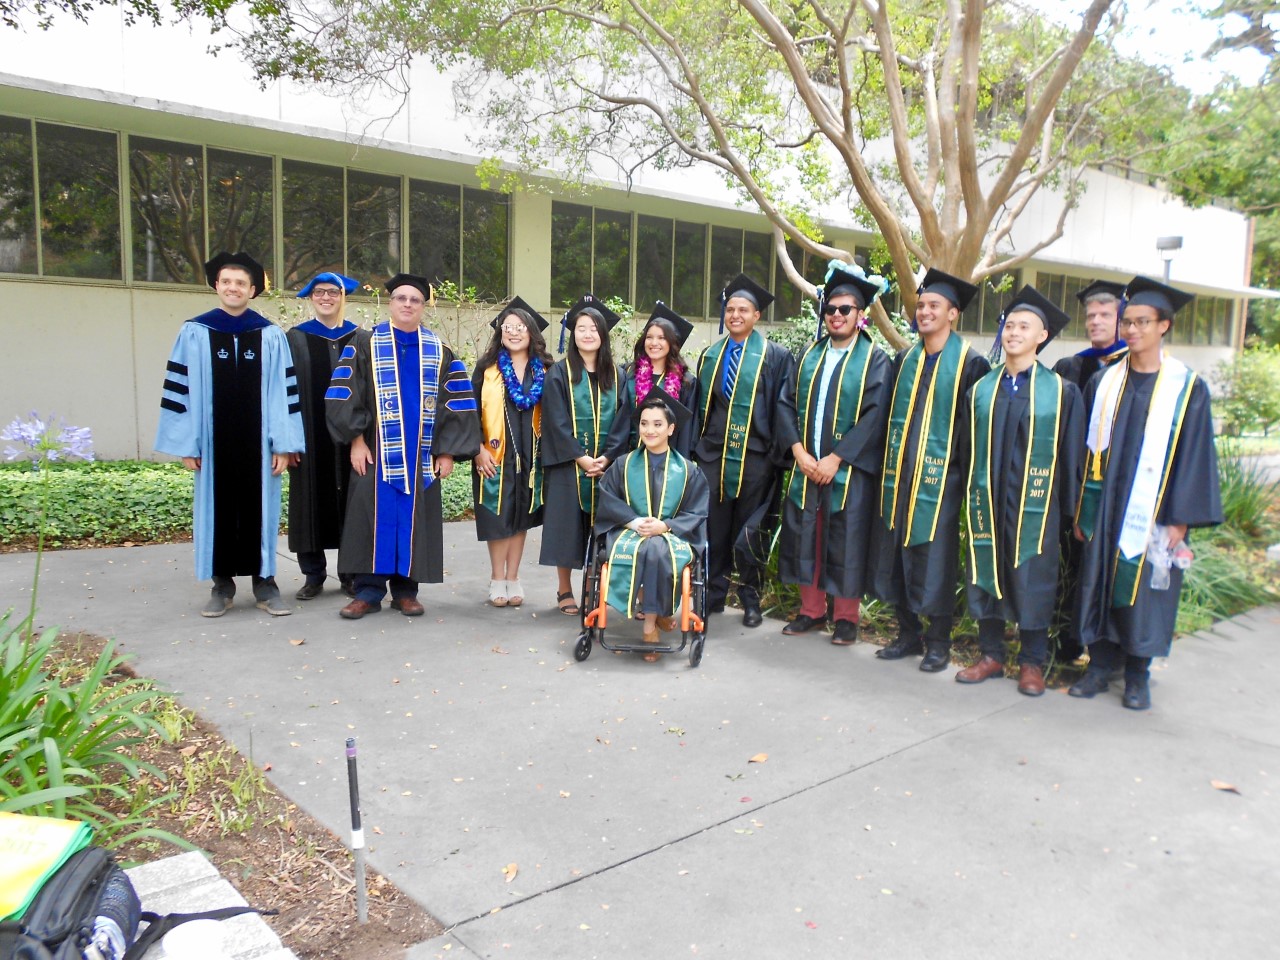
(1037, 473)
(493, 427)
(392, 468)
(591, 411)
(1165, 416)
(933, 455)
(622, 555)
(845, 395)
(741, 404)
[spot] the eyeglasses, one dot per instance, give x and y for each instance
(411, 301)
(514, 328)
(1138, 324)
(844, 309)
(325, 294)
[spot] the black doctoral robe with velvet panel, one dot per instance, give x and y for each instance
(1029, 593)
(456, 434)
(1191, 497)
(318, 484)
(846, 534)
(568, 525)
(925, 578)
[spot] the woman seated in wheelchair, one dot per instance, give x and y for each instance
(653, 504)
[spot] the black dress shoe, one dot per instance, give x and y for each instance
(348, 585)
(936, 657)
(309, 591)
(1090, 685)
(751, 615)
(802, 624)
(1137, 694)
(904, 646)
(846, 633)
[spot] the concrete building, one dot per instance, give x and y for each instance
(129, 154)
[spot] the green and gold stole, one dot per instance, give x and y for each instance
(850, 381)
(933, 456)
(741, 404)
(592, 411)
(1165, 416)
(622, 556)
(493, 426)
(1037, 474)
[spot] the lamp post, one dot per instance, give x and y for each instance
(1168, 246)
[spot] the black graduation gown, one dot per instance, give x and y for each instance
(924, 578)
(763, 438)
(1030, 591)
(1191, 497)
(560, 448)
(846, 535)
(654, 572)
(517, 495)
(318, 484)
(456, 434)
(624, 437)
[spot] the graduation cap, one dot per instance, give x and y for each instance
(743, 286)
(1143, 291)
(683, 327)
(347, 284)
(959, 292)
(657, 397)
(517, 303)
(1054, 318)
(1099, 287)
(213, 267)
(410, 280)
(587, 304)
(843, 278)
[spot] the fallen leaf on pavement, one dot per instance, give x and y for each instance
(565, 794)
(297, 641)
(1224, 786)
(510, 871)
(811, 925)
(759, 758)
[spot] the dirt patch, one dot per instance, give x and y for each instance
(276, 855)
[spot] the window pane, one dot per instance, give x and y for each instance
(726, 262)
(653, 262)
(240, 201)
(757, 263)
(166, 186)
(435, 231)
(1204, 318)
(789, 296)
(612, 275)
(1071, 306)
(689, 296)
(17, 198)
(312, 211)
(373, 227)
(570, 253)
(79, 202)
(1226, 323)
(485, 233)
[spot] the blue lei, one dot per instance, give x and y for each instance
(515, 390)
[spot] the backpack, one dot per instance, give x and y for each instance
(88, 910)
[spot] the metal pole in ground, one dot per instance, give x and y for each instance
(357, 833)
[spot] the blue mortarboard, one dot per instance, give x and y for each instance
(1143, 291)
(587, 304)
(348, 284)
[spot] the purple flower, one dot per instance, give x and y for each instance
(46, 442)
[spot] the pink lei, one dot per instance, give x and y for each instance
(671, 380)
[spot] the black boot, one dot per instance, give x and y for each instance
(937, 656)
(1137, 693)
(907, 645)
(1091, 684)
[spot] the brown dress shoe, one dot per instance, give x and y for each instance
(984, 669)
(1030, 680)
(409, 606)
(357, 609)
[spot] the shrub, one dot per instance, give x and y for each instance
(1250, 385)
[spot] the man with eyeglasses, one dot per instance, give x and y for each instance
(926, 460)
(403, 402)
(229, 409)
(318, 481)
(1151, 474)
(833, 423)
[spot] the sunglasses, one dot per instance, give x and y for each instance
(844, 309)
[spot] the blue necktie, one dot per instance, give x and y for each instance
(731, 367)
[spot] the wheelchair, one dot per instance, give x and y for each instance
(691, 618)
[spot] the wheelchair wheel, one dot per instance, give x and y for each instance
(695, 650)
(582, 649)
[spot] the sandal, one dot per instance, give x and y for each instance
(569, 609)
(515, 593)
(666, 624)
(653, 656)
(498, 593)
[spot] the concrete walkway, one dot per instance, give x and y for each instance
(897, 815)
